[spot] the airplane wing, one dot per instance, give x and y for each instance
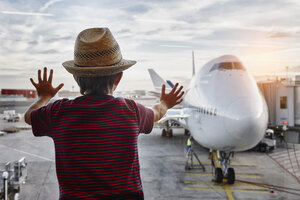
(155, 94)
(175, 115)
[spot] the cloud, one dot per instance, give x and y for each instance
(49, 3)
(26, 13)
(49, 51)
(154, 32)
(139, 8)
(11, 69)
(279, 35)
(59, 39)
(174, 46)
(295, 68)
(160, 21)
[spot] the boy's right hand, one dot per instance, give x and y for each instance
(173, 98)
(44, 86)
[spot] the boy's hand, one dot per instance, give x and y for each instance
(173, 98)
(167, 101)
(45, 91)
(44, 86)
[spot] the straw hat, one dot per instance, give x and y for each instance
(97, 53)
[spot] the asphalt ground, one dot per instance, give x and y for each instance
(163, 173)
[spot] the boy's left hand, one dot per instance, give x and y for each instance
(44, 86)
(173, 98)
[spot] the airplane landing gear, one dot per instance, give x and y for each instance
(164, 133)
(218, 175)
(167, 131)
(221, 161)
(230, 176)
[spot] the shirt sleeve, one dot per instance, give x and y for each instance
(145, 117)
(41, 119)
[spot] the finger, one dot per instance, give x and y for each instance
(178, 91)
(50, 76)
(45, 74)
(33, 83)
(181, 94)
(39, 76)
(174, 88)
(163, 90)
(178, 102)
(59, 87)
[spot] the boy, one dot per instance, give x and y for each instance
(95, 135)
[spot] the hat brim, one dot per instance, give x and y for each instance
(71, 67)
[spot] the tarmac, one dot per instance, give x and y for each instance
(163, 173)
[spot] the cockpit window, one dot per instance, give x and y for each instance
(214, 67)
(227, 66)
(238, 65)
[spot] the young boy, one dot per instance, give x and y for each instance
(95, 135)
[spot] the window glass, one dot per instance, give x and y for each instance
(239, 66)
(225, 66)
(228, 66)
(283, 102)
(214, 67)
(222, 66)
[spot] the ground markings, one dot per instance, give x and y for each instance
(288, 160)
(192, 183)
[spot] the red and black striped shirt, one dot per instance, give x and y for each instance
(95, 144)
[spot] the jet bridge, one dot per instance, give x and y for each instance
(283, 100)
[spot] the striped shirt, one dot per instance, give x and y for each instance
(95, 142)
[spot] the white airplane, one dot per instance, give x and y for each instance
(224, 111)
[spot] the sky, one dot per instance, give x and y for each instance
(158, 34)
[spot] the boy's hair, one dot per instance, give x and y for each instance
(95, 85)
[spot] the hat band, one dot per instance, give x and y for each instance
(121, 62)
(92, 55)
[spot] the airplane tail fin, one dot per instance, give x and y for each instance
(170, 83)
(158, 81)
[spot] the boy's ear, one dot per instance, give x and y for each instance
(118, 78)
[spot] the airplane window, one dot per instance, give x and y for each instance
(222, 66)
(239, 66)
(283, 102)
(225, 66)
(214, 67)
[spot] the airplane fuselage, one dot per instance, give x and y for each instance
(225, 108)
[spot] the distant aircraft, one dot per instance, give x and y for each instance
(224, 111)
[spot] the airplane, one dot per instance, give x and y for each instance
(224, 111)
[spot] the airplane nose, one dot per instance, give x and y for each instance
(247, 122)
